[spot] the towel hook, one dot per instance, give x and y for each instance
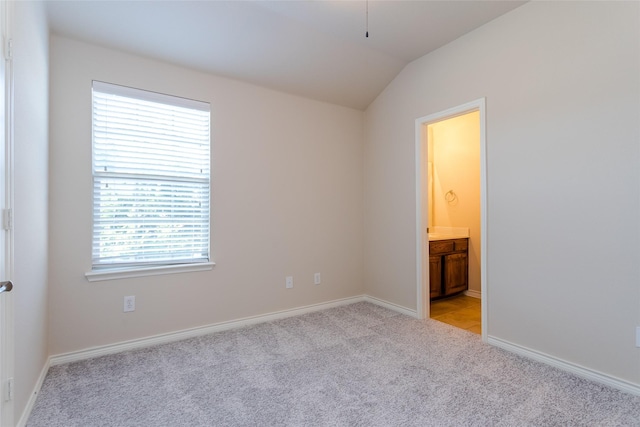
(450, 196)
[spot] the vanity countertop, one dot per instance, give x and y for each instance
(447, 233)
(440, 236)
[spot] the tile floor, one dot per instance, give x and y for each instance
(460, 310)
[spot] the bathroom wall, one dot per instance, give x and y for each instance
(454, 145)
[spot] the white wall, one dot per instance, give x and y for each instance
(286, 200)
(562, 86)
(454, 146)
(30, 65)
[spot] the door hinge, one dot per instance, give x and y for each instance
(8, 396)
(7, 219)
(8, 49)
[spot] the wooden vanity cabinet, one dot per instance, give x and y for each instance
(435, 276)
(448, 267)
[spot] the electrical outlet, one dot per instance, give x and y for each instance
(289, 282)
(129, 303)
(316, 279)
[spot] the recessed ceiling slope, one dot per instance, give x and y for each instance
(315, 49)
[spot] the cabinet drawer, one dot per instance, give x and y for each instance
(440, 247)
(461, 244)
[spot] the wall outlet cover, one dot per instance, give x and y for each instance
(129, 303)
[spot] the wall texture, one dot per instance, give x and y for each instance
(562, 86)
(286, 200)
(30, 59)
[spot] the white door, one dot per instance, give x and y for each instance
(6, 245)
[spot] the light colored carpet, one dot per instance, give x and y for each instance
(358, 365)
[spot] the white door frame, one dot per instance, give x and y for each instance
(422, 211)
(6, 228)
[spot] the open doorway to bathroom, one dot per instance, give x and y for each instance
(451, 220)
(453, 194)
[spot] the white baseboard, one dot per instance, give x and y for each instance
(473, 294)
(34, 395)
(222, 326)
(391, 306)
(578, 370)
(104, 350)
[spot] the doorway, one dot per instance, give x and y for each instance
(451, 200)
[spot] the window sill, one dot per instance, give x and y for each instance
(126, 273)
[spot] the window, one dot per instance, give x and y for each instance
(151, 179)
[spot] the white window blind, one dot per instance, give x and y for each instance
(151, 178)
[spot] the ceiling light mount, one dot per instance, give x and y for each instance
(366, 34)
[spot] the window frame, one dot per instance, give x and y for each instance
(138, 267)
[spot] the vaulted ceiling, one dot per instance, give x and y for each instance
(315, 49)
